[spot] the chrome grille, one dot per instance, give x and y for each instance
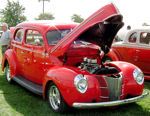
(114, 86)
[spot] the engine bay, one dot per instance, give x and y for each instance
(93, 67)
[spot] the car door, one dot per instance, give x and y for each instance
(37, 60)
(143, 52)
(127, 50)
(27, 53)
(17, 46)
(131, 48)
(38, 57)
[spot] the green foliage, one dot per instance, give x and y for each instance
(76, 18)
(145, 24)
(45, 16)
(13, 13)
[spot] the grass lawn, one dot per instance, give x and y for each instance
(16, 101)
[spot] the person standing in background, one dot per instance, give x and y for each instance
(5, 38)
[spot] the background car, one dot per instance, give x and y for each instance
(62, 63)
(135, 48)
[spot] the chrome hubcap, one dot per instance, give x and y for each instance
(54, 97)
(8, 73)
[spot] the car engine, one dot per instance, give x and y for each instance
(93, 67)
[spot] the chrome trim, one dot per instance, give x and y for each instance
(103, 97)
(109, 104)
(114, 87)
(130, 45)
(104, 87)
(27, 49)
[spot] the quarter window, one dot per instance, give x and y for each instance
(145, 38)
(133, 37)
(34, 37)
(19, 35)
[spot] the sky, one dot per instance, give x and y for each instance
(135, 12)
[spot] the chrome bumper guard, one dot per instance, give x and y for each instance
(110, 103)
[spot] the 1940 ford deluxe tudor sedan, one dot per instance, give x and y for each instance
(62, 63)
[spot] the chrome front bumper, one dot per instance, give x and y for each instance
(111, 103)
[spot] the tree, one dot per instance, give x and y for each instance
(145, 24)
(12, 14)
(45, 16)
(76, 18)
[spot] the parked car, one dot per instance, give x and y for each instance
(62, 63)
(135, 48)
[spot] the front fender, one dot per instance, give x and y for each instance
(10, 57)
(64, 79)
(129, 85)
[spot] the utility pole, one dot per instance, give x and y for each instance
(43, 3)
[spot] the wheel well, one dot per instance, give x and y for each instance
(5, 63)
(46, 88)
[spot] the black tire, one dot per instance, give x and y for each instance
(106, 59)
(59, 105)
(8, 74)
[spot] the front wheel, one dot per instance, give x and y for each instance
(8, 74)
(55, 99)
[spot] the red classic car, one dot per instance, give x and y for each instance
(135, 48)
(62, 63)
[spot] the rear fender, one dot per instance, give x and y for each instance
(10, 57)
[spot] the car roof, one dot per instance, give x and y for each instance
(46, 24)
(123, 32)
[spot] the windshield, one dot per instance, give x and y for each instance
(54, 36)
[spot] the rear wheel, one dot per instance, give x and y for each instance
(55, 99)
(8, 74)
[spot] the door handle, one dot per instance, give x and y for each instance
(137, 50)
(22, 52)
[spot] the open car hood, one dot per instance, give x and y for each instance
(100, 29)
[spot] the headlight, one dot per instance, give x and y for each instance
(138, 76)
(81, 83)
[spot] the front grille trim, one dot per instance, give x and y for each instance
(114, 87)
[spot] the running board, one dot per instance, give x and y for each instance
(33, 87)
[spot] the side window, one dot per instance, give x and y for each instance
(34, 37)
(145, 38)
(133, 37)
(19, 35)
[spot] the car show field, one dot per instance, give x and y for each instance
(17, 101)
(50, 68)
